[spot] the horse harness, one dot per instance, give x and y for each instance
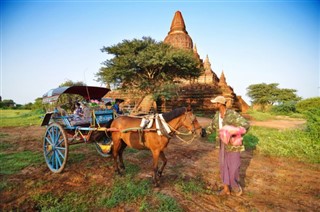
(147, 122)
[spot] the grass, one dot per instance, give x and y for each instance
(18, 118)
(264, 116)
(192, 186)
(71, 201)
(125, 191)
(74, 157)
(294, 143)
(167, 203)
(260, 116)
(14, 162)
(5, 185)
(5, 146)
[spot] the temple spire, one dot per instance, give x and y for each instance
(207, 64)
(195, 50)
(178, 36)
(222, 78)
(178, 23)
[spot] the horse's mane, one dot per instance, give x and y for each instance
(174, 113)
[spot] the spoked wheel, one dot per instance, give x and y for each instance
(55, 147)
(104, 147)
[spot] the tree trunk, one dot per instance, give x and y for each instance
(145, 105)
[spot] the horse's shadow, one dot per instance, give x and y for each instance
(250, 141)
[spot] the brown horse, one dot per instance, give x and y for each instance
(128, 135)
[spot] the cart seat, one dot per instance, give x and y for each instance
(79, 121)
(103, 116)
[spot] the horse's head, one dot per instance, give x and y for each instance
(191, 123)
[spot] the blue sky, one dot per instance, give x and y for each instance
(45, 43)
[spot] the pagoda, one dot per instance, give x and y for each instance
(199, 92)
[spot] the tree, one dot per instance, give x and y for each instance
(71, 83)
(146, 65)
(37, 105)
(286, 95)
(269, 94)
(7, 103)
(67, 101)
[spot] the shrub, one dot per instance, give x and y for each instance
(313, 123)
(308, 104)
(284, 109)
(250, 141)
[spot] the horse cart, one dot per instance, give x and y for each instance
(64, 130)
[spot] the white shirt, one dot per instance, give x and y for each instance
(220, 121)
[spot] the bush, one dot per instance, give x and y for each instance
(308, 104)
(285, 108)
(250, 141)
(313, 123)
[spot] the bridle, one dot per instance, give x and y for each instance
(192, 132)
(193, 120)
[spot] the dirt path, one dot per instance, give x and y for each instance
(270, 184)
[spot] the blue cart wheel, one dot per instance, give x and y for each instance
(55, 147)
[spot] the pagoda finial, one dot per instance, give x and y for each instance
(178, 23)
(207, 59)
(207, 64)
(222, 77)
(178, 36)
(195, 50)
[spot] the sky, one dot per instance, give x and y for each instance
(45, 43)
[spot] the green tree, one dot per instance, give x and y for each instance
(287, 95)
(146, 65)
(269, 94)
(7, 103)
(67, 101)
(37, 105)
(71, 83)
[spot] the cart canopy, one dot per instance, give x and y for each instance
(88, 92)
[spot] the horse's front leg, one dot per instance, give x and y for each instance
(164, 162)
(156, 178)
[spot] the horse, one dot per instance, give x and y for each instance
(130, 134)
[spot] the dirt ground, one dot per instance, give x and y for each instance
(269, 183)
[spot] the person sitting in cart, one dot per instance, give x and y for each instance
(86, 113)
(78, 111)
(116, 106)
(109, 105)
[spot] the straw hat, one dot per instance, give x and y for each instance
(219, 99)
